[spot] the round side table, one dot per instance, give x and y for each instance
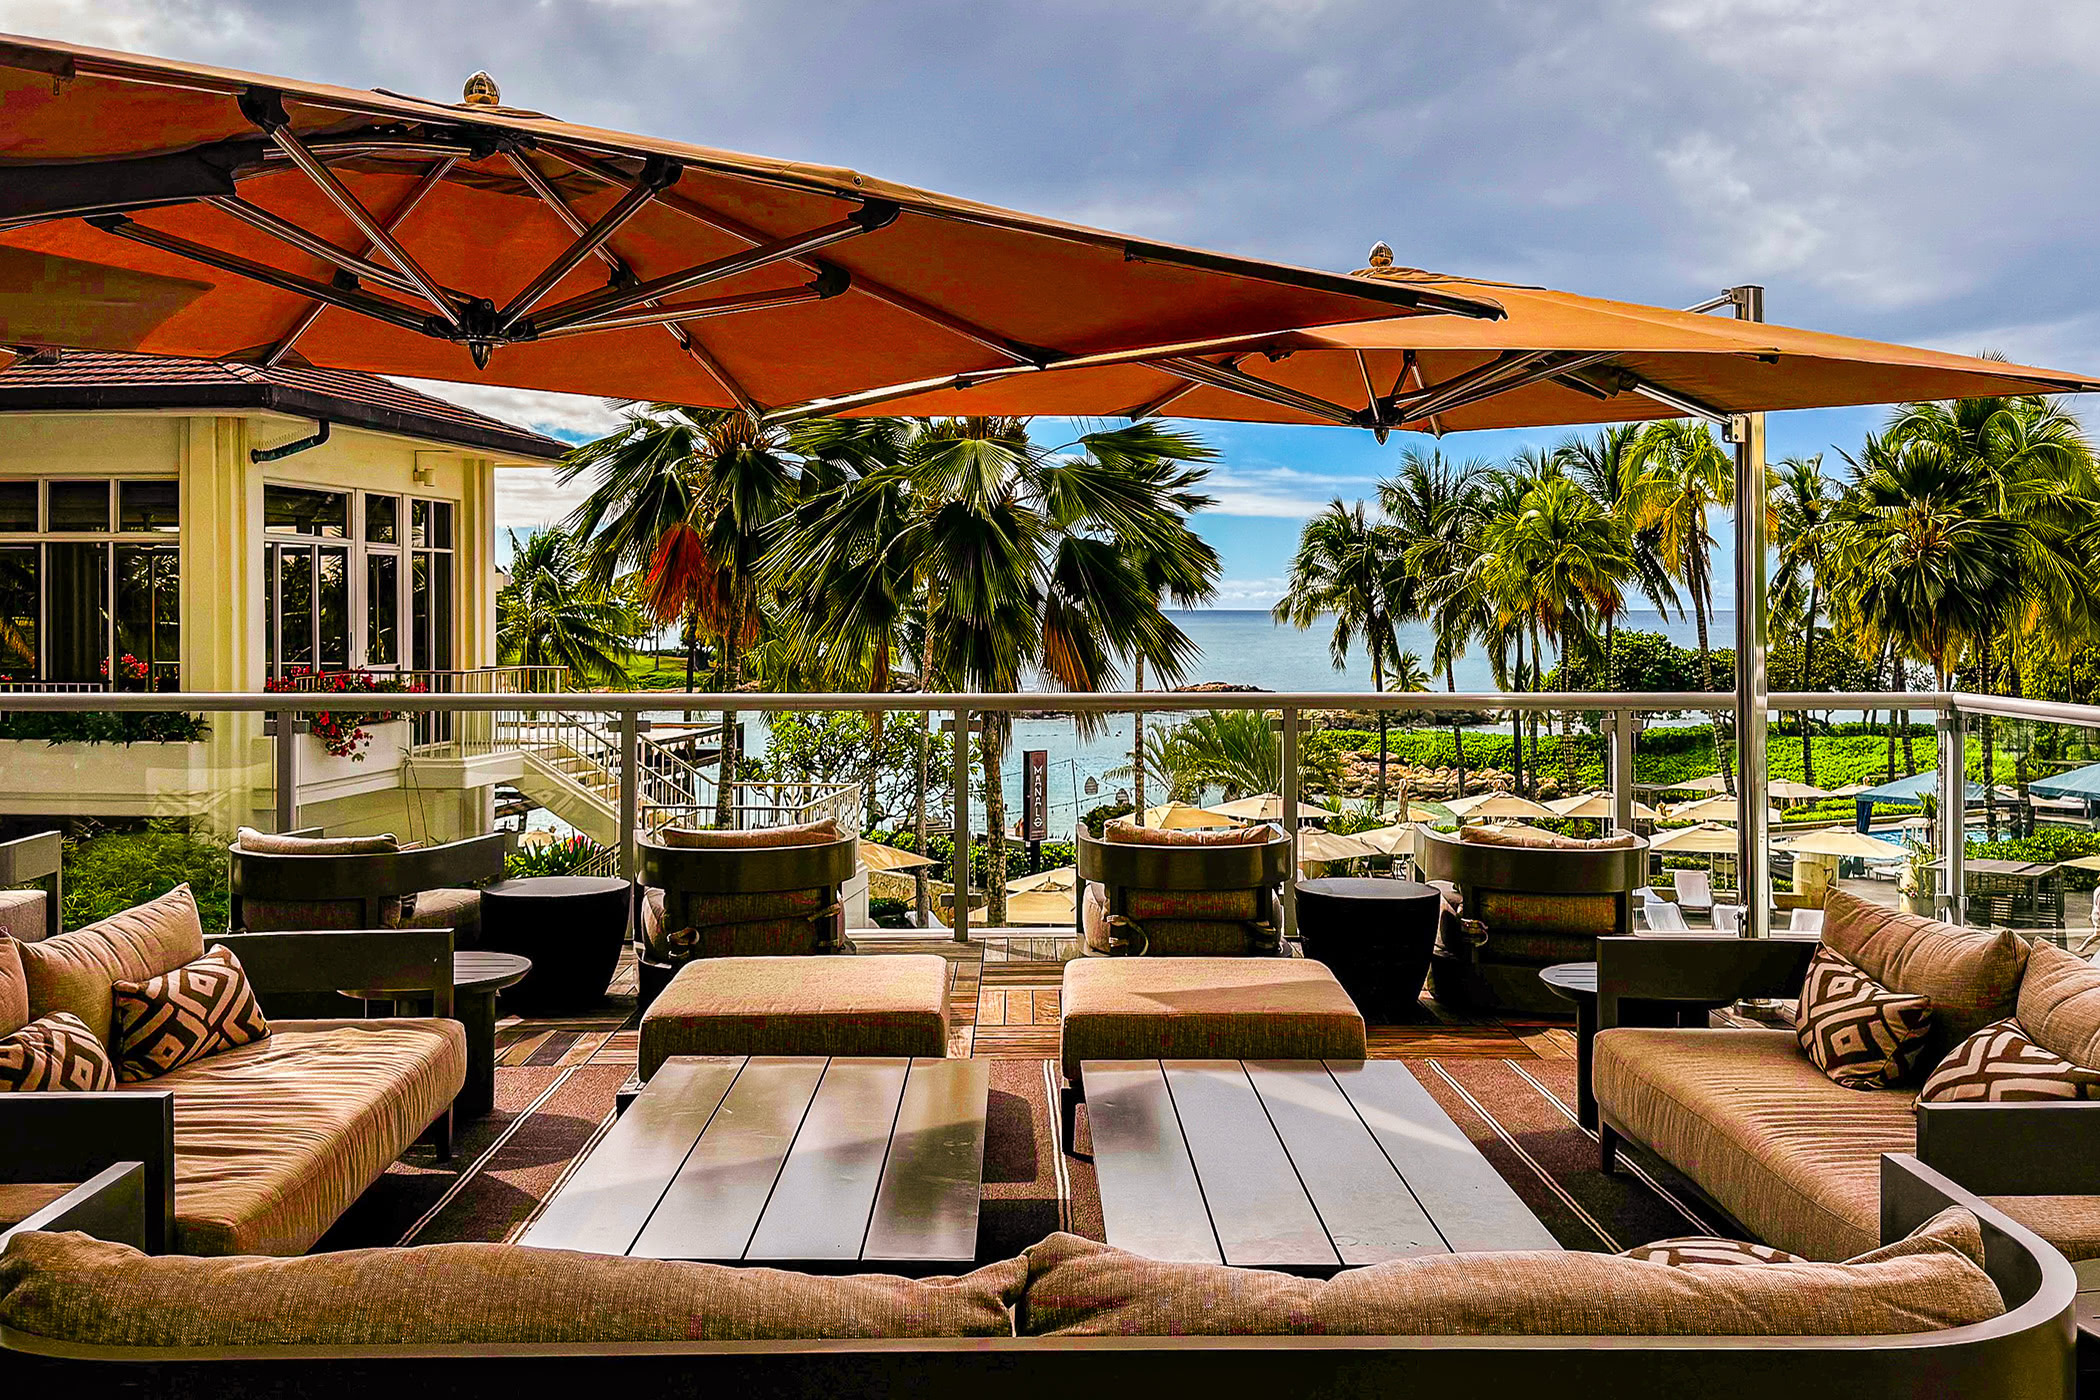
(571, 926)
(476, 978)
(1577, 982)
(1375, 935)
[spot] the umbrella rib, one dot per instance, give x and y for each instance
(1240, 382)
(552, 198)
(881, 291)
(1519, 375)
(1181, 389)
(306, 241)
(657, 176)
(657, 314)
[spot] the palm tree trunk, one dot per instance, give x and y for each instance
(1888, 686)
(995, 822)
(1898, 684)
(1516, 722)
(1458, 731)
(725, 773)
(1808, 670)
(1137, 739)
(1722, 758)
(1988, 734)
(922, 887)
(1378, 684)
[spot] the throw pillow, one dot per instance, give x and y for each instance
(816, 833)
(73, 972)
(199, 1009)
(1707, 1249)
(2060, 1004)
(1858, 1032)
(2003, 1064)
(55, 1052)
(1971, 977)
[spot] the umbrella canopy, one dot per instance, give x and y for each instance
(1267, 807)
(1787, 790)
(1557, 358)
(178, 209)
(1064, 877)
(1396, 840)
(1431, 812)
(1712, 782)
(1498, 804)
(1181, 816)
(1707, 838)
(1597, 806)
(2082, 783)
(1314, 843)
(1840, 842)
(876, 856)
(2084, 863)
(1709, 809)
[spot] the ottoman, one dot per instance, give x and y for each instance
(1201, 1009)
(891, 1004)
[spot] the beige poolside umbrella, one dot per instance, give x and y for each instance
(1268, 807)
(1399, 839)
(1046, 897)
(1722, 808)
(876, 856)
(1848, 790)
(1498, 804)
(1839, 841)
(1183, 816)
(1597, 806)
(1707, 838)
(1431, 812)
(1712, 782)
(1318, 844)
(1787, 790)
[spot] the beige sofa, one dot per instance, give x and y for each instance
(1960, 1301)
(255, 1150)
(1794, 1157)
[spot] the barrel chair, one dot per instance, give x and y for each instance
(300, 880)
(1182, 893)
(1527, 899)
(766, 893)
(32, 915)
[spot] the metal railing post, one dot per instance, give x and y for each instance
(959, 859)
(1290, 821)
(1954, 812)
(1752, 637)
(1622, 788)
(630, 793)
(287, 776)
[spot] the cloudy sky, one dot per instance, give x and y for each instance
(1915, 170)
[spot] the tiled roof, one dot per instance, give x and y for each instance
(96, 379)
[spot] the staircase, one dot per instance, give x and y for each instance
(572, 768)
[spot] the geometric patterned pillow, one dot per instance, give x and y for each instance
(184, 1015)
(2001, 1064)
(1702, 1249)
(1858, 1032)
(55, 1052)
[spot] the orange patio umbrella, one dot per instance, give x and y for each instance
(177, 209)
(1555, 358)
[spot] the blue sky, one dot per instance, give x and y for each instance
(1910, 170)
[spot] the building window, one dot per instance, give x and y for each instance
(431, 588)
(318, 620)
(83, 610)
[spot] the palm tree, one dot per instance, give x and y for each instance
(1431, 504)
(1807, 500)
(1351, 569)
(551, 614)
(1680, 474)
(692, 497)
(1604, 465)
(1233, 750)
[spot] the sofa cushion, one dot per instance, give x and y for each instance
(14, 988)
(1708, 1249)
(1792, 1156)
(199, 1009)
(891, 1004)
(55, 1052)
(22, 914)
(1205, 1008)
(1928, 1281)
(1125, 832)
(816, 833)
(70, 1288)
(1971, 977)
(1533, 838)
(76, 971)
(2002, 1064)
(458, 910)
(2059, 1004)
(274, 1140)
(1855, 1030)
(271, 843)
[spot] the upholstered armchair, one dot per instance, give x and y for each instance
(305, 880)
(1199, 893)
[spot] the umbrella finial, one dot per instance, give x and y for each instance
(1381, 254)
(481, 91)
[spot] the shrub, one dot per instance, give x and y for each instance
(563, 857)
(105, 727)
(888, 913)
(108, 873)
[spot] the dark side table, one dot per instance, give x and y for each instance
(573, 927)
(1375, 935)
(1577, 982)
(476, 978)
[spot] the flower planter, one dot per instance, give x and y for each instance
(114, 780)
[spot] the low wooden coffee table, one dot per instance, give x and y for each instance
(805, 1163)
(1307, 1166)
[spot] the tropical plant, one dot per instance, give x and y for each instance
(552, 614)
(1351, 571)
(1807, 500)
(1431, 503)
(1230, 749)
(567, 855)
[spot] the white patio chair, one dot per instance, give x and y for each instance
(1661, 917)
(1728, 918)
(1695, 892)
(1805, 921)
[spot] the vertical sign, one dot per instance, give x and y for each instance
(1035, 794)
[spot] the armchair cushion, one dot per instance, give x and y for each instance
(270, 843)
(199, 1009)
(1131, 834)
(2059, 1004)
(54, 1052)
(1969, 978)
(14, 988)
(1855, 1030)
(78, 971)
(1533, 838)
(2002, 1064)
(814, 833)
